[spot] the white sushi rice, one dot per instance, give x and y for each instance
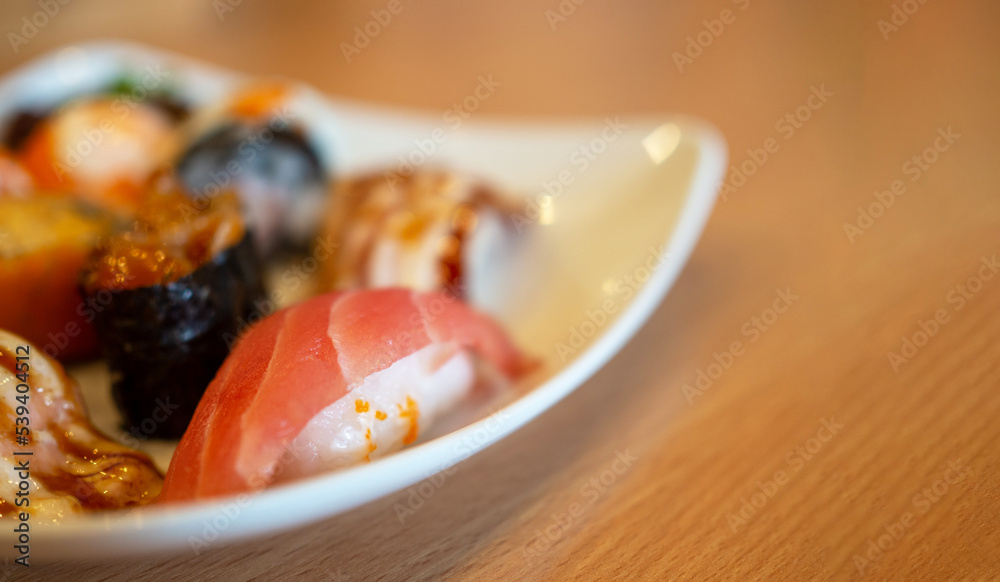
(382, 414)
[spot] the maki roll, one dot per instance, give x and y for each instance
(176, 289)
(256, 145)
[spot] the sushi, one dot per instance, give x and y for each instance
(340, 379)
(102, 146)
(173, 288)
(255, 144)
(428, 230)
(72, 467)
(44, 242)
(101, 149)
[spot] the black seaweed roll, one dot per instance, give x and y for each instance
(168, 293)
(258, 145)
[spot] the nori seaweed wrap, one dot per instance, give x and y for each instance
(259, 147)
(171, 291)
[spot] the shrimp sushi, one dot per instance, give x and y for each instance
(341, 379)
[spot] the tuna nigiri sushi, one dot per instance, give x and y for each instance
(337, 380)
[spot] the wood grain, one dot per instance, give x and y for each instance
(668, 515)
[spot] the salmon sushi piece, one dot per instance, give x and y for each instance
(341, 379)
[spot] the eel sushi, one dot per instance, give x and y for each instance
(72, 467)
(340, 379)
(173, 292)
(428, 230)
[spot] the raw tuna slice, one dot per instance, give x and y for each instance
(340, 379)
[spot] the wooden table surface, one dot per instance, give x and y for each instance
(854, 436)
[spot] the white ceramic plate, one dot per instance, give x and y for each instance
(594, 263)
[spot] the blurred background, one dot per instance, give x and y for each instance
(575, 58)
(851, 91)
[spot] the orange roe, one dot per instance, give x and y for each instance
(171, 236)
(411, 413)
